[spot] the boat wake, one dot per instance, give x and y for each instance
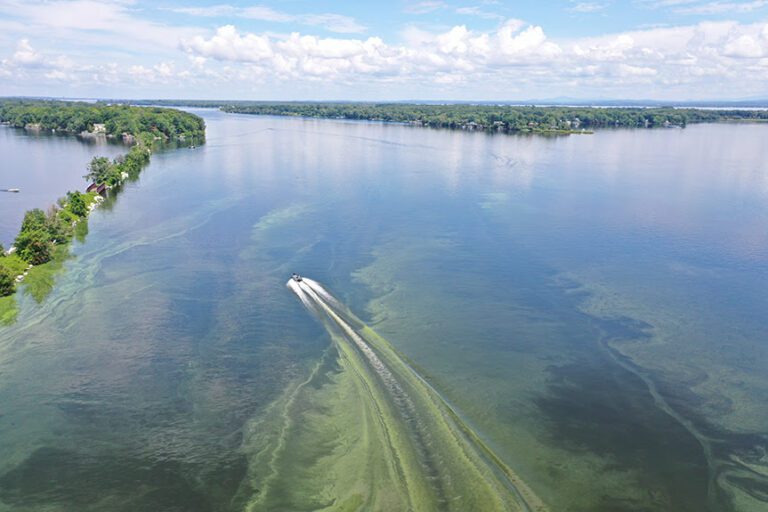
(440, 462)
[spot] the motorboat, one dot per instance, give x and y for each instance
(296, 277)
(15, 190)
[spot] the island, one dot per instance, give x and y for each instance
(42, 243)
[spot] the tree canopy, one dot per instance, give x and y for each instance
(505, 118)
(6, 283)
(78, 117)
(77, 204)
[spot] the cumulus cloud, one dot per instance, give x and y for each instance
(27, 63)
(25, 55)
(662, 57)
(745, 46)
(706, 59)
(458, 51)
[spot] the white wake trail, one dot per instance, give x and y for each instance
(325, 294)
(334, 314)
(294, 286)
(312, 293)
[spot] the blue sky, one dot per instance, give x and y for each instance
(403, 49)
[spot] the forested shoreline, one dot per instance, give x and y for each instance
(140, 123)
(545, 119)
(502, 118)
(44, 235)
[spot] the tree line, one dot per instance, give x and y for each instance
(40, 233)
(504, 118)
(117, 120)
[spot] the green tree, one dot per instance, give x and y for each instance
(33, 219)
(34, 246)
(99, 170)
(6, 282)
(76, 204)
(57, 227)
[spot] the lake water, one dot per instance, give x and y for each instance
(592, 307)
(44, 167)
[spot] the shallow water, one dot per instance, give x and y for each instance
(591, 306)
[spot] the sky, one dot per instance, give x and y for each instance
(484, 50)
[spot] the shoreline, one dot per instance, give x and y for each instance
(44, 238)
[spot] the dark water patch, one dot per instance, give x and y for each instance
(726, 452)
(82, 481)
(596, 406)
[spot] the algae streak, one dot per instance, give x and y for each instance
(366, 432)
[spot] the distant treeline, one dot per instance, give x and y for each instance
(502, 118)
(149, 123)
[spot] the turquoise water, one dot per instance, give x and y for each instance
(591, 306)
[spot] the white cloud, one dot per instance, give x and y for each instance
(458, 50)
(334, 23)
(329, 21)
(629, 70)
(479, 12)
(723, 7)
(164, 72)
(663, 57)
(27, 64)
(208, 11)
(99, 24)
(25, 55)
(530, 41)
(588, 7)
(697, 7)
(425, 6)
(746, 47)
(706, 59)
(228, 44)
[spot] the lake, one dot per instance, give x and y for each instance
(592, 308)
(44, 167)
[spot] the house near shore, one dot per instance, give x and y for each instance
(99, 189)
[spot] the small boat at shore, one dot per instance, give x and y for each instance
(14, 190)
